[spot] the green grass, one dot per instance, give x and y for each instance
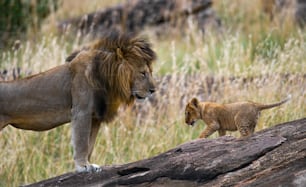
(243, 50)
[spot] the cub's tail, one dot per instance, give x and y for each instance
(267, 106)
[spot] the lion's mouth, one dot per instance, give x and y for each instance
(191, 123)
(139, 98)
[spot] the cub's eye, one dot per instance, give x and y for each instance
(143, 74)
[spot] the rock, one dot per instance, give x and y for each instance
(272, 157)
(136, 15)
(282, 9)
(300, 13)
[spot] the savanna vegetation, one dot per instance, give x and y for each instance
(270, 52)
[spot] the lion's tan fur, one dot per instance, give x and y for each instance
(241, 116)
(87, 90)
(121, 57)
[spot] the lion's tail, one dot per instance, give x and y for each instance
(267, 106)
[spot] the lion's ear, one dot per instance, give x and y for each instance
(119, 53)
(72, 56)
(195, 102)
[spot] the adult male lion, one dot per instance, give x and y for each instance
(88, 90)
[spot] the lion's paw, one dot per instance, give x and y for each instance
(89, 168)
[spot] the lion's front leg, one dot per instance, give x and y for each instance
(95, 126)
(81, 143)
(81, 124)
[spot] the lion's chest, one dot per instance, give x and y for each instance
(105, 109)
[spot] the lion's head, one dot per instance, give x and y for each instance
(192, 111)
(122, 66)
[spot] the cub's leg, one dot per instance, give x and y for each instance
(244, 129)
(246, 123)
(95, 126)
(252, 127)
(221, 132)
(210, 129)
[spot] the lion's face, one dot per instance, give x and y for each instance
(192, 112)
(143, 84)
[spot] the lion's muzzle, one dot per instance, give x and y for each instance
(191, 123)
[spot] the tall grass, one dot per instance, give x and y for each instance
(273, 61)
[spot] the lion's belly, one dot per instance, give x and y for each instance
(41, 121)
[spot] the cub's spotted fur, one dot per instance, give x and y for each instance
(241, 116)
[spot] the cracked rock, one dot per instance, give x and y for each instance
(273, 157)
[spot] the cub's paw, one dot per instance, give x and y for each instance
(89, 168)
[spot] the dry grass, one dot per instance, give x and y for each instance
(249, 48)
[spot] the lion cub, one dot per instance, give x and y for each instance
(241, 116)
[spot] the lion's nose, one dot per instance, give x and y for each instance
(152, 90)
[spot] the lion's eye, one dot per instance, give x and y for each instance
(143, 74)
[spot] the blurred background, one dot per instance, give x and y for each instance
(221, 51)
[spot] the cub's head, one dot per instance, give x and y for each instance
(192, 111)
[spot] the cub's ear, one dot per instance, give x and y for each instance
(195, 102)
